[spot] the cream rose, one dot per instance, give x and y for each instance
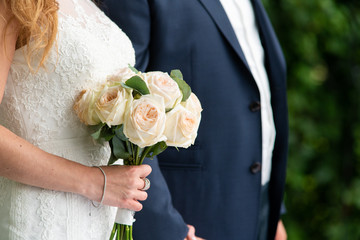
(162, 84)
(193, 105)
(145, 121)
(122, 75)
(111, 104)
(85, 107)
(181, 127)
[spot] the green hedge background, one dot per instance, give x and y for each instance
(321, 43)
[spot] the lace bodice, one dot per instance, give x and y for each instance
(39, 108)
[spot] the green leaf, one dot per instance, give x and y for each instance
(119, 148)
(119, 132)
(133, 69)
(136, 95)
(107, 133)
(126, 86)
(177, 76)
(103, 132)
(176, 73)
(130, 147)
(112, 159)
(97, 134)
(138, 85)
(156, 149)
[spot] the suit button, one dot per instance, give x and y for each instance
(255, 106)
(255, 168)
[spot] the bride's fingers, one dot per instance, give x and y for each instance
(124, 186)
(137, 195)
(136, 184)
(145, 170)
(133, 205)
(135, 176)
(142, 196)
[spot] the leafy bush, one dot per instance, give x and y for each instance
(321, 42)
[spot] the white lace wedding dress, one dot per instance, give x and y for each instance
(38, 107)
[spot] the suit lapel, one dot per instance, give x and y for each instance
(275, 62)
(217, 13)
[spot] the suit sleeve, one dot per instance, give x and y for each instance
(158, 219)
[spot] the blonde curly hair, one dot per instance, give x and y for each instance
(37, 23)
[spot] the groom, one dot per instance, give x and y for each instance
(230, 184)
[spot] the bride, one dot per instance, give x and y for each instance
(50, 51)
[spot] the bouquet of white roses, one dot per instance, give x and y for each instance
(140, 114)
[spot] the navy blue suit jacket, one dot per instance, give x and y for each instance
(211, 185)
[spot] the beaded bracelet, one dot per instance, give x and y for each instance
(103, 194)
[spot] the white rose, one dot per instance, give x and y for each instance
(111, 104)
(122, 75)
(162, 84)
(193, 105)
(85, 106)
(181, 127)
(145, 121)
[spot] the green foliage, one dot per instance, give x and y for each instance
(184, 87)
(137, 84)
(156, 149)
(133, 69)
(119, 148)
(103, 132)
(321, 42)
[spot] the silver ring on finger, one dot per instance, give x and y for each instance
(146, 184)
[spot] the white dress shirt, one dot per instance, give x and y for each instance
(242, 19)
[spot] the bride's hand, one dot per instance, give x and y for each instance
(123, 186)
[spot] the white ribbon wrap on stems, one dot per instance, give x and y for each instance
(124, 216)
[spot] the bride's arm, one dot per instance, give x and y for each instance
(21, 161)
(25, 163)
